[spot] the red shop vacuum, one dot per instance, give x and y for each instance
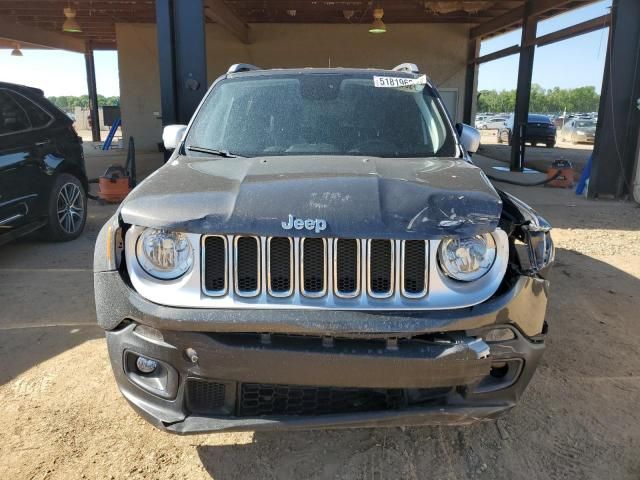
(117, 181)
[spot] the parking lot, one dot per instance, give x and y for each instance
(63, 416)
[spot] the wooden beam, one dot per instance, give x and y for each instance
(217, 11)
(505, 52)
(564, 34)
(43, 38)
(575, 30)
(514, 17)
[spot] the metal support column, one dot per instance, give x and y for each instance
(614, 153)
(93, 94)
(523, 92)
(182, 58)
(471, 80)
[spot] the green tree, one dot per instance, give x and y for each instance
(554, 100)
(68, 102)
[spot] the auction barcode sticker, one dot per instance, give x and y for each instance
(400, 82)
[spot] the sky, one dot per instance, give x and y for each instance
(576, 62)
(58, 72)
(572, 63)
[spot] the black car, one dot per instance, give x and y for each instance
(540, 129)
(320, 251)
(43, 182)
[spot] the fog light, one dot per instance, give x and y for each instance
(146, 365)
(499, 335)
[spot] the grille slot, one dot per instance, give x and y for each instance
(414, 268)
(204, 396)
(247, 266)
(313, 266)
(380, 263)
(280, 266)
(263, 399)
(346, 257)
(215, 265)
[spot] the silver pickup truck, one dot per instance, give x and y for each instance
(320, 251)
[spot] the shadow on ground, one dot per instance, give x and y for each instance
(24, 348)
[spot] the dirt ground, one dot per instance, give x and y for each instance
(579, 419)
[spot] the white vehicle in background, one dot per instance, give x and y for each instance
(492, 123)
(480, 118)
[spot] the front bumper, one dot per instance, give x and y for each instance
(437, 363)
(542, 138)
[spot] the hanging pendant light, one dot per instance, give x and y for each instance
(70, 25)
(377, 26)
(16, 52)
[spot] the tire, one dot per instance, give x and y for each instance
(67, 211)
(505, 137)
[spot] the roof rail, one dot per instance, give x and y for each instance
(407, 67)
(242, 67)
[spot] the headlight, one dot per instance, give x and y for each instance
(164, 255)
(467, 259)
(580, 133)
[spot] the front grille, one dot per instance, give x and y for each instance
(280, 255)
(380, 268)
(215, 265)
(247, 263)
(313, 266)
(415, 268)
(258, 399)
(204, 396)
(347, 267)
(315, 270)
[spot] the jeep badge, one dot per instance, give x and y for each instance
(317, 224)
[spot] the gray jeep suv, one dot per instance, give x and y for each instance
(320, 251)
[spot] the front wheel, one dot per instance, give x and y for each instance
(67, 209)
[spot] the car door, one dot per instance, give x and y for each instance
(20, 164)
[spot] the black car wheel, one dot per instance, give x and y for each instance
(67, 209)
(504, 137)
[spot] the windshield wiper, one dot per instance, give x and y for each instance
(211, 151)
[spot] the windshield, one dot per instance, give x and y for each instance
(585, 124)
(323, 114)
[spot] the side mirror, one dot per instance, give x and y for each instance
(172, 136)
(469, 137)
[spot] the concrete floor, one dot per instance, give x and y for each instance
(537, 158)
(579, 419)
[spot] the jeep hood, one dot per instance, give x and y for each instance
(356, 196)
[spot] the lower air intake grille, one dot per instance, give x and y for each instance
(261, 399)
(204, 396)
